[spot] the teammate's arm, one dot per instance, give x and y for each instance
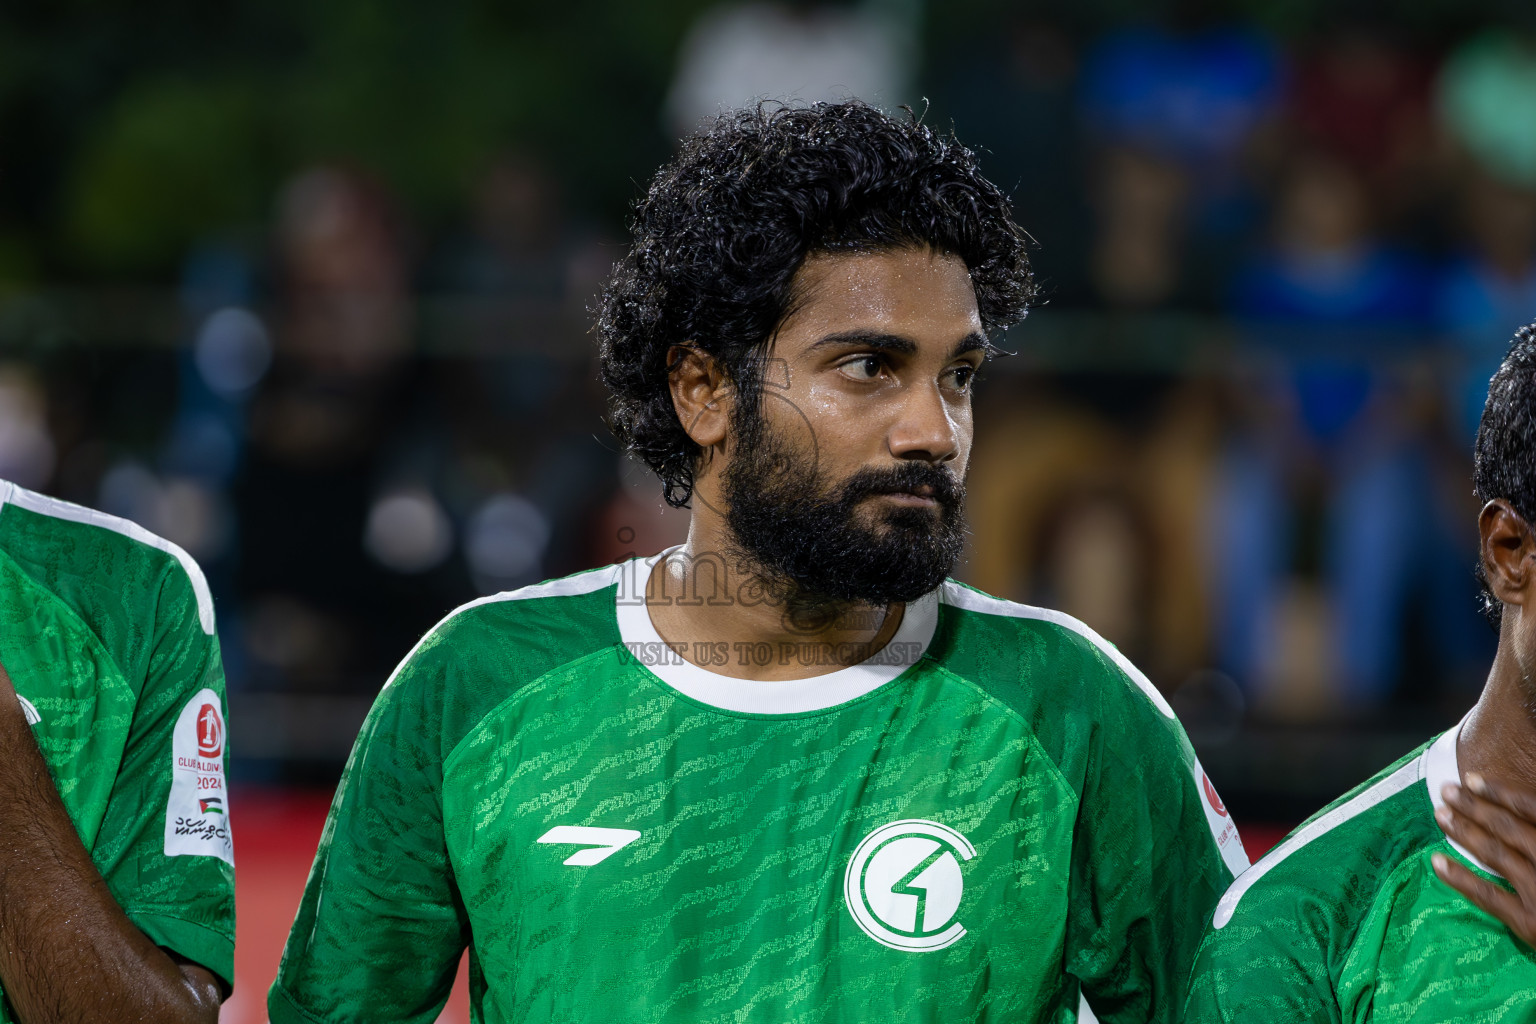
(1498, 824)
(68, 952)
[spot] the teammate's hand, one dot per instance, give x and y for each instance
(1498, 824)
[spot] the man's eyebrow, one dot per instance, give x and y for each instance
(880, 341)
(970, 343)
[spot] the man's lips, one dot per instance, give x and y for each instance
(920, 498)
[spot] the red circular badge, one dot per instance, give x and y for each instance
(1211, 797)
(210, 731)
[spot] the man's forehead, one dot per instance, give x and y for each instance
(908, 291)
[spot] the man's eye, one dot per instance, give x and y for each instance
(863, 368)
(962, 376)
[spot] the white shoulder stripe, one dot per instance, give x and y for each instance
(567, 586)
(44, 505)
(1387, 788)
(963, 597)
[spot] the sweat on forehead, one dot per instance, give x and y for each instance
(865, 290)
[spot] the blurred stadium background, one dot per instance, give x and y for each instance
(303, 287)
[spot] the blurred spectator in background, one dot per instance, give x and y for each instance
(1139, 260)
(1364, 100)
(1488, 287)
(315, 486)
(1487, 105)
(738, 53)
(1012, 95)
(1193, 99)
(1332, 312)
(343, 277)
(1325, 267)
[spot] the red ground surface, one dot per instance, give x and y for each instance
(275, 838)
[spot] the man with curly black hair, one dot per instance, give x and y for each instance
(1356, 915)
(788, 770)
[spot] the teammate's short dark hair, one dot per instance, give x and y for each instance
(1505, 462)
(723, 228)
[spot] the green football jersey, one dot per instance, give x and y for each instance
(107, 634)
(1345, 921)
(994, 818)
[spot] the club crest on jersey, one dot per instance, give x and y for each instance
(210, 731)
(197, 813)
(904, 882)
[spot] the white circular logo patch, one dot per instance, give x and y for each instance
(903, 884)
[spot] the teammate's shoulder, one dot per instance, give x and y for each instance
(73, 544)
(1051, 654)
(1336, 862)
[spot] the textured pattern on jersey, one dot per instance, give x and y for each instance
(1354, 927)
(1093, 865)
(102, 634)
(726, 907)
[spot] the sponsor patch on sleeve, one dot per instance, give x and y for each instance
(1223, 829)
(197, 815)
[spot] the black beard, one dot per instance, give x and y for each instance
(807, 541)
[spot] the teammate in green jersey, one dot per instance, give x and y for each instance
(788, 772)
(116, 872)
(1356, 916)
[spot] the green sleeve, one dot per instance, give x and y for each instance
(1153, 851)
(1268, 963)
(164, 847)
(381, 928)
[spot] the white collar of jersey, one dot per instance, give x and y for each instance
(776, 696)
(1440, 767)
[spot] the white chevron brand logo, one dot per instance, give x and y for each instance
(602, 843)
(29, 710)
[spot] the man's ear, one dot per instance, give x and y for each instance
(1508, 552)
(701, 394)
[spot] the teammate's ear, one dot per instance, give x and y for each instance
(700, 394)
(1509, 553)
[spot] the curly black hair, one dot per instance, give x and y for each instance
(1504, 464)
(723, 228)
